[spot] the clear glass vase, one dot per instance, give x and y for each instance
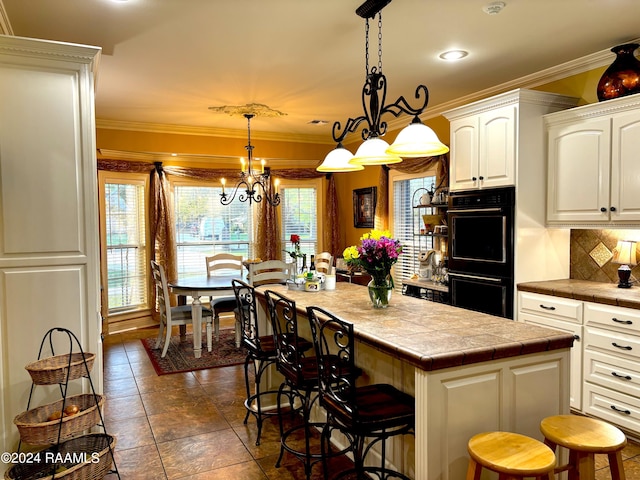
(380, 293)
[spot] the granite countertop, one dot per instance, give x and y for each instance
(428, 335)
(597, 292)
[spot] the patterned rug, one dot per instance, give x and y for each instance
(179, 357)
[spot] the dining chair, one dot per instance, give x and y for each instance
(324, 262)
(270, 272)
(170, 316)
(261, 353)
(375, 411)
(225, 300)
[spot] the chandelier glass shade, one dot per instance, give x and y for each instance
(416, 140)
(374, 151)
(338, 160)
(254, 184)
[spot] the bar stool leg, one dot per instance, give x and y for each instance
(474, 470)
(615, 465)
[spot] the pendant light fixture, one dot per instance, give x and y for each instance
(415, 140)
(251, 180)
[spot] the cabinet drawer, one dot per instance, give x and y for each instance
(564, 309)
(621, 344)
(614, 407)
(619, 318)
(613, 373)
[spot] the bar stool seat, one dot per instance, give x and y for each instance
(511, 455)
(584, 437)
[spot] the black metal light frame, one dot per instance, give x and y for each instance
(374, 92)
(251, 182)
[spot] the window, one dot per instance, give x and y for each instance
(405, 218)
(205, 227)
(126, 251)
(299, 216)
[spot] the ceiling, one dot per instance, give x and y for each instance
(164, 62)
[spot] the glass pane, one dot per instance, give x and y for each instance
(406, 227)
(299, 217)
(126, 253)
(205, 227)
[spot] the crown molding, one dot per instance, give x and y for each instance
(210, 132)
(564, 70)
(220, 161)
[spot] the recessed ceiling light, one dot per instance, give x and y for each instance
(453, 55)
(318, 122)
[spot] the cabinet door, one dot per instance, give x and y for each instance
(497, 147)
(464, 154)
(625, 167)
(578, 173)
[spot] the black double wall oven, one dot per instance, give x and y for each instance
(481, 250)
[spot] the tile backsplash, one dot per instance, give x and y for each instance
(592, 251)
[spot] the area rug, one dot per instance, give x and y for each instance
(179, 357)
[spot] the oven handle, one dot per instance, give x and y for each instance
(475, 210)
(475, 277)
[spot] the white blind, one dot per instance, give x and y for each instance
(205, 227)
(126, 252)
(407, 223)
(299, 216)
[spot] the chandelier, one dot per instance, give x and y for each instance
(252, 181)
(415, 140)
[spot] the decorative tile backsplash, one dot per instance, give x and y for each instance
(592, 251)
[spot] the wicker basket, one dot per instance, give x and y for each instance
(52, 370)
(35, 429)
(93, 447)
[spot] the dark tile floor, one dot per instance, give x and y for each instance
(190, 425)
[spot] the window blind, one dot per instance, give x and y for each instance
(407, 223)
(298, 211)
(126, 246)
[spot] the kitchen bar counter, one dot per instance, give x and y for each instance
(584, 290)
(469, 372)
(430, 336)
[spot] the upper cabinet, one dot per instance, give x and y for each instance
(488, 136)
(594, 164)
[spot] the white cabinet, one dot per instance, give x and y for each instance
(594, 164)
(562, 314)
(49, 255)
(490, 137)
(611, 364)
(483, 150)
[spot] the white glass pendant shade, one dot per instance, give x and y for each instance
(417, 140)
(373, 151)
(337, 160)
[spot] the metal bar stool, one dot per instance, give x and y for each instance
(375, 412)
(511, 455)
(300, 372)
(584, 437)
(261, 352)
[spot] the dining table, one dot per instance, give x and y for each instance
(196, 286)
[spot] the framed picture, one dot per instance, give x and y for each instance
(364, 207)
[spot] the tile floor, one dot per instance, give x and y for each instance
(190, 425)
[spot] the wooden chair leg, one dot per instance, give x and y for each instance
(615, 465)
(474, 470)
(216, 326)
(209, 335)
(585, 466)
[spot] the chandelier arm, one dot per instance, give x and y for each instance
(351, 126)
(402, 106)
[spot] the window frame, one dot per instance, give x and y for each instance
(318, 184)
(395, 176)
(124, 178)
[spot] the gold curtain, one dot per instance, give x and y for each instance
(410, 165)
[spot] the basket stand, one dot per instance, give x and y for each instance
(77, 370)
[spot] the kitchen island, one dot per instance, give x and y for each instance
(469, 372)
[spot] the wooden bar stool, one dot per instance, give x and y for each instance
(511, 455)
(584, 437)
